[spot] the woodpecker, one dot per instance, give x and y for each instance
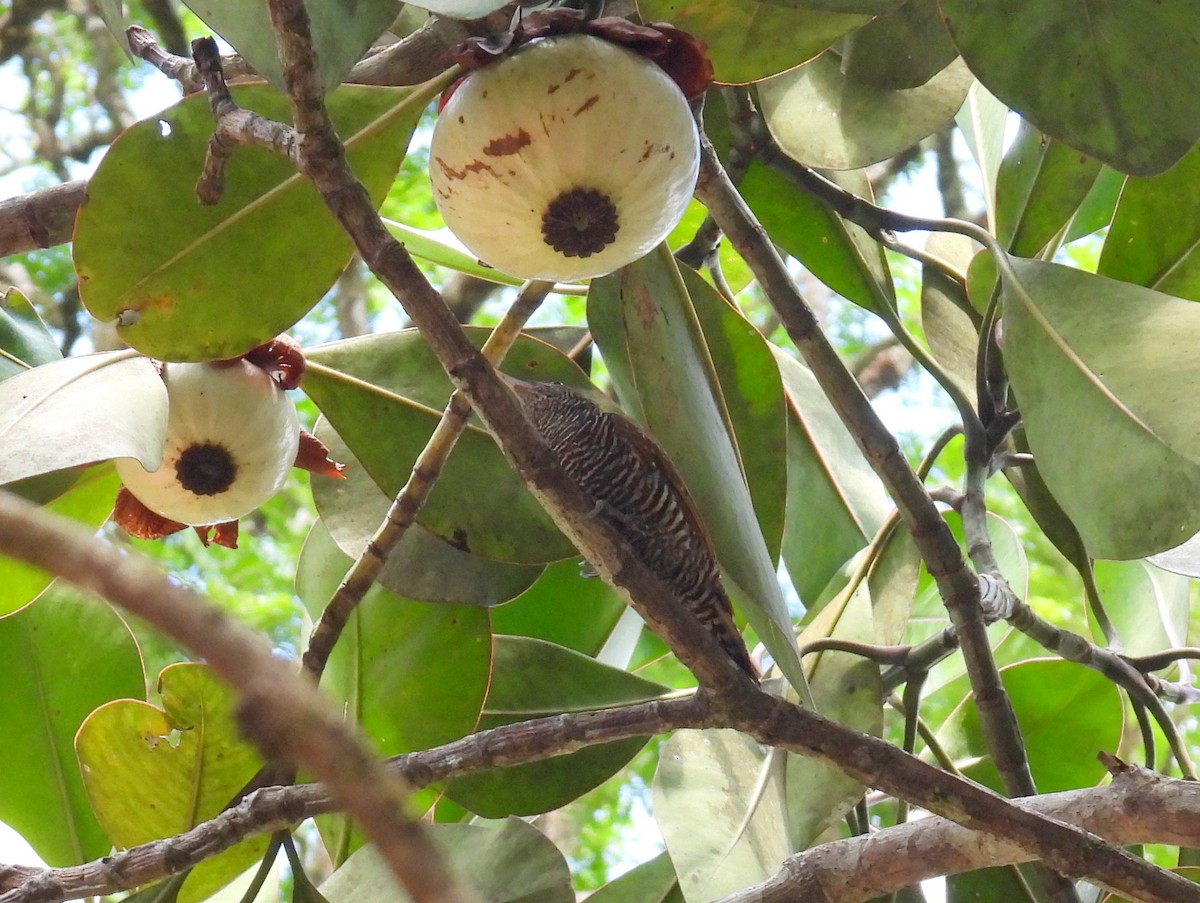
(639, 492)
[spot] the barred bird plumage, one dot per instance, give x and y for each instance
(638, 490)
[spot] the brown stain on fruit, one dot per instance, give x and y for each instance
(475, 166)
(508, 144)
(587, 104)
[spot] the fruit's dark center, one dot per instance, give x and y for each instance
(580, 222)
(206, 469)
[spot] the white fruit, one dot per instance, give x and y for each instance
(566, 160)
(232, 437)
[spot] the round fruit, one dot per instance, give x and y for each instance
(232, 437)
(566, 160)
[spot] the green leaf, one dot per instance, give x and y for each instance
(59, 659)
(835, 503)
(342, 30)
(951, 331)
(1096, 210)
(836, 251)
(822, 118)
(1095, 86)
(563, 607)
(1133, 487)
(846, 687)
(113, 14)
(1147, 605)
(422, 566)
(749, 40)
(532, 679)
(1040, 185)
(982, 121)
(751, 386)
(194, 282)
(152, 773)
(646, 326)
(82, 409)
(509, 862)
(412, 675)
(1066, 714)
(1045, 509)
(25, 341)
(653, 881)
(904, 47)
(1155, 231)
(384, 394)
(88, 501)
(703, 789)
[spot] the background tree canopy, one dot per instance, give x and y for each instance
(921, 349)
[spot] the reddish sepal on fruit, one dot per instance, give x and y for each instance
(137, 520)
(282, 357)
(313, 456)
(683, 57)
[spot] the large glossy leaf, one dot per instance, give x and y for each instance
(507, 862)
(384, 394)
(1095, 85)
(88, 501)
(1108, 421)
(422, 566)
(532, 678)
(410, 674)
(837, 252)
(724, 830)
(904, 47)
(749, 40)
(59, 659)
(565, 606)
(1067, 713)
(192, 282)
(646, 326)
(79, 410)
(1147, 605)
(835, 501)
(1155, 232)
(342, 30)
(1040, 185)
(822, 118)
(750, 383)
(153, 772)
(24, 339)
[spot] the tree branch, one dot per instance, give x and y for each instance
(41, 219)
(1137, 807)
